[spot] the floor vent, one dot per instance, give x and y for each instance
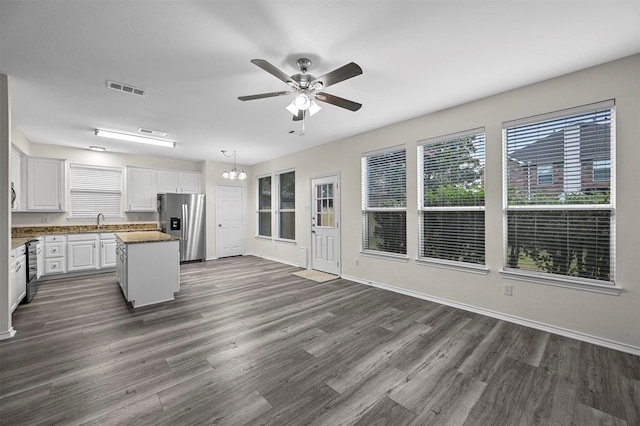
(125, 88)
(152, 132)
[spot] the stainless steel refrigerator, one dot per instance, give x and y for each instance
(183, 215)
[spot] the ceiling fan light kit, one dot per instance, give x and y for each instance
(307, 86)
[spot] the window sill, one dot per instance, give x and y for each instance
(262, 237)
(454, 266)
(576, 284)
(386, 256)
(285, 241)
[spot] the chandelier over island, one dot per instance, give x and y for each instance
(234, 173)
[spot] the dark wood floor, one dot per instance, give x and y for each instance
(246, 342)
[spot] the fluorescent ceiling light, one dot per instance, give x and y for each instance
(97, 148)
(134, 138)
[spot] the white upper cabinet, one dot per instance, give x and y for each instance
(18, 180)
(45, 184)
(141, 190)
(189, 182)
(143, 185)
(178, 182)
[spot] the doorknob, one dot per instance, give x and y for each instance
(219, 225)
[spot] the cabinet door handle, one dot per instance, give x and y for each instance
(59, 206)
(94, 245)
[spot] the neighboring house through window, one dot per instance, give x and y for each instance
(451, 197)
(384, 201)
(601, 170)
(545, 174)
(565, 228)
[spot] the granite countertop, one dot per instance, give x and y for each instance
(17, 242)
(145, 237)
(22, 234)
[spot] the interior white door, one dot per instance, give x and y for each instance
(325, 225)
(229, 214)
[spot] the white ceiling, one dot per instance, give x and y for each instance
(192, 58)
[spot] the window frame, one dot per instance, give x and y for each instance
(260, 211)
(609, 286)
(424, 210)
(366, 209)
(278, 206)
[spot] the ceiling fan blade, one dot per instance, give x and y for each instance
(336, 76)
(337, 101)
(263, 95)
(275, 72)
(300, 116)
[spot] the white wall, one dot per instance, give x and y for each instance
(607, 319)
(6, 329)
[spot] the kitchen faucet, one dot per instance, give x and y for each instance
(98, 219)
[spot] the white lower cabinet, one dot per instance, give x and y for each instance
(121, 267)
(86, 252)
(82, 252)
(55, 258)
(149, 272)
(108, 258)
(40, 257)
(18, 276)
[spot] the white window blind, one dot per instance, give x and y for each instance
(264, 206)
(563, 225)
(384, 201)
(451, 197)
(94, 190)
(287, 205)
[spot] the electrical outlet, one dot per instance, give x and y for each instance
(507, 289)
(357, 262)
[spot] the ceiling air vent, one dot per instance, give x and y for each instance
(125, 88)
(151, 132)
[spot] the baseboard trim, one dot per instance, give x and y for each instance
(622, 347)
(8, 334)
(286, 262)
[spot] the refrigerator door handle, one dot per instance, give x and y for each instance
(185, 214)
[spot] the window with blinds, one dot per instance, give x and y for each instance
(286, 205)
(559, 193)
(451, 197)
(384, 201)
(264, 206)
(94, 190)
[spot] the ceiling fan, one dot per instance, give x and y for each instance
(308, 87)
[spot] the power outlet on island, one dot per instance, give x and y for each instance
(507, 289)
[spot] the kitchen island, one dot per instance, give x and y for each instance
(148, 266)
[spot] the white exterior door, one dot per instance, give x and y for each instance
(229, 215)
(325, 225)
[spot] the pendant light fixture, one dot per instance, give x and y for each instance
(233, 174)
